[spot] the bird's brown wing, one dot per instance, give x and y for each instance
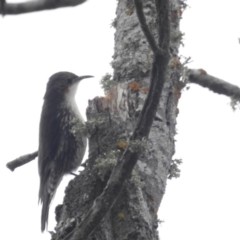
(49, 141)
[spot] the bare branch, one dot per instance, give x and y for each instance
(126, 163)
(21, 161)
(217, 85)
(38, 5)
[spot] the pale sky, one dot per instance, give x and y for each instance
(204, 202)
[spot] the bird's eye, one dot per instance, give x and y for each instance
(69, 80)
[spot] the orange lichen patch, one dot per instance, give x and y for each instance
(155, 212)
(177, 111)
(108, 96)
(102, 98)
(180, 11)
(175, 62)
(121, 215)
(130, 11)
(177, 92)
(144, 90)
(134, 86)
(175, 14)
(202, 71)
(122, 145)
(152, 198)
(101, 103)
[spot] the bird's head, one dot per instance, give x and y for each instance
(63, 84)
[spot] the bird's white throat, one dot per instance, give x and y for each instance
(70, 99)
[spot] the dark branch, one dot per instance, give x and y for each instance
(21, 161)
(2, 9)
(217, 85)
(38, 5)
(126, 163)
(163, 23)
(145, 28)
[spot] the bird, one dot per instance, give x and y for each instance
(62, 143)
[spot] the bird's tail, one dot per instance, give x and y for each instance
(45, 209)
(46, 194)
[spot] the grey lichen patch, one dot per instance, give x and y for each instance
(107, 82)
(77, 126)
(137, 180)
(89, 127)
(177, 36)
(63, 228)
(137, 145)
(235, 103)
(132, 235)
(174, 171)
(105, 164)
(114, 23)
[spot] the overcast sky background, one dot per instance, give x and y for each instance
(204, 202)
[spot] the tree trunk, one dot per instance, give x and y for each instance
(112, 119)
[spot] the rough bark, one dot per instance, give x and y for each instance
(111, 121)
